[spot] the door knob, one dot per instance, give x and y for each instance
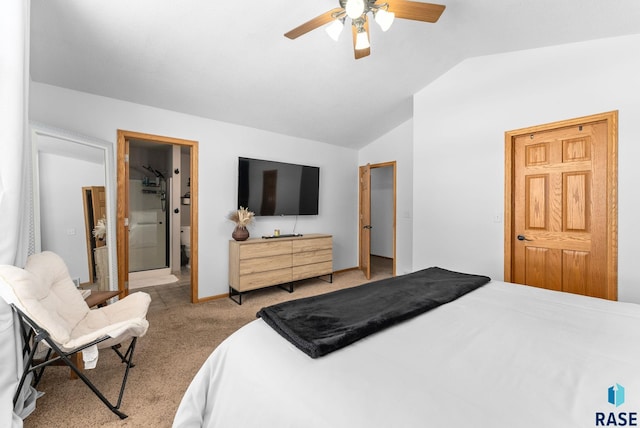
(522, 238)
(367, 226)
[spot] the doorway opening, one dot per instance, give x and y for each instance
(377, 219)
(157, 211)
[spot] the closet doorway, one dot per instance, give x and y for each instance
(377, 218)
(157, 201)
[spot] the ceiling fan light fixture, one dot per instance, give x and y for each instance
(362, 39)
(384, 19)
(357, 14)
(354, 8)
(335, 29)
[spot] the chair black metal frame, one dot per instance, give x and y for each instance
(33, 335)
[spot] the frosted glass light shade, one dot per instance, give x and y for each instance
(335, 29)
(384, 19)
(354, 8)
(362, 40)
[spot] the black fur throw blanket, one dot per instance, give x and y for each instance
(322, 324)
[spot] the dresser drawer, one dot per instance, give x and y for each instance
(265, 264)
(310, 271)
(265, 248)
(311, 257)
(312, 244)
(264, 279)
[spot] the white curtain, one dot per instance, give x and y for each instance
(14, 194)
(14, 136)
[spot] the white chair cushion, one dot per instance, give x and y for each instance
(45, 292)
(124, 318)
(48, 309)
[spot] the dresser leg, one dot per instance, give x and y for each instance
(232, 293)
(330, 280)
(289, 288)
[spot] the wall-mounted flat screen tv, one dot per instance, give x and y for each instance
(270, 188)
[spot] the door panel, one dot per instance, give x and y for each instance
(561, 235)
(541, 268)
(365, 220)
(575, 272)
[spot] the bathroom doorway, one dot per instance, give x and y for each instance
(157, 215)
(150, 191)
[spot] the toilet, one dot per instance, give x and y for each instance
(185, 244)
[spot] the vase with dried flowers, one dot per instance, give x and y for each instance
(242, 217)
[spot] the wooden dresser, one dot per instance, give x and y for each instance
(258, 262)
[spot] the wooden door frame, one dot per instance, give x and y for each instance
(123, 136)
(392, 164)
(611, 119)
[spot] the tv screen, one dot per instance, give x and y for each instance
(270, 188)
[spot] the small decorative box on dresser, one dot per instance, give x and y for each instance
(258, 262)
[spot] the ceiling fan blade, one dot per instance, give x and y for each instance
(316, 22)
(360, 53)
(427, 12)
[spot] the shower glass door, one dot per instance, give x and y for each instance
(148, 225)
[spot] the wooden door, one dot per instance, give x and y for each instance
(563, 210)
(123, 214)
(365, 220)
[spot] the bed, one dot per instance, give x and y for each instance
(502, 355)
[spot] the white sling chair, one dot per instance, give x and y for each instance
(53, 312)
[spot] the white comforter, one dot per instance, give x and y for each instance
(502, 356)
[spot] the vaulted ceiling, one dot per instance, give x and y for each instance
(229, 61)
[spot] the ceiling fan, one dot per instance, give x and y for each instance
(382, 11)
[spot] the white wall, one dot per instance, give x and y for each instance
(62, 224)
(220, 144)
(459, 124)
(397, 145)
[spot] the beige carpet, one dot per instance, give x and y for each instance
(179, 339)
